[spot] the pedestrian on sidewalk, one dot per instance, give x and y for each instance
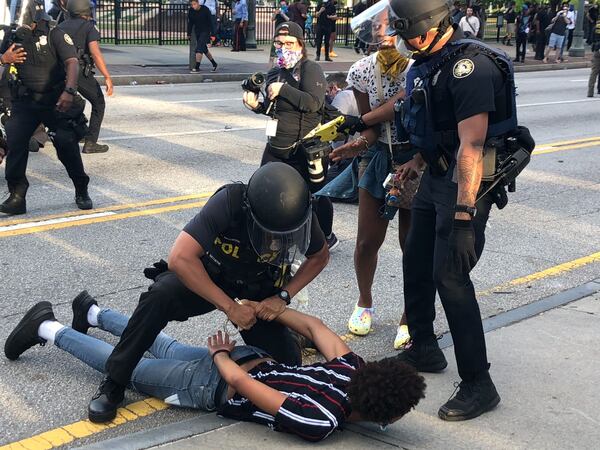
(86, 37)
(540, 23)
(200, 23)
(522, 29)
(295, 97)
(595, 74)
(326, 17)
(510, 16)
(240, 382)
(240, 25)
(557, 34)
(572, 16)
(469, 24)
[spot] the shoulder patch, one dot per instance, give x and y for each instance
(68, 39)
(463, 68)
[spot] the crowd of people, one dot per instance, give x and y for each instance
(416, 117)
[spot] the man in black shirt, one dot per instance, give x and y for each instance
(42, 59)
(200, 22)
(457, 94)
(86, 38)
(239, 247)
(326, 17)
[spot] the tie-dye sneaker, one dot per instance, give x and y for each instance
(402, 337)
(360, 321)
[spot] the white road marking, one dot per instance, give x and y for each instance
(578, 81)
(21, 226)
(181, 133)
(208, 100)
(583, 100)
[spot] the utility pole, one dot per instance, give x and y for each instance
(577, 48)
(251, 36)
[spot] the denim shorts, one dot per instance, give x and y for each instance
(555, 41)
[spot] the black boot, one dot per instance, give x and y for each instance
(106, 400)
(94, 147)
(425, 357)
(14, 204)
(25, 334)
(472, 400)
(81, 305)
(82, 198)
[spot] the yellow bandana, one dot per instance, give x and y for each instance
(391, 62)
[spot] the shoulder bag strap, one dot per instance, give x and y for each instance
(388, 128)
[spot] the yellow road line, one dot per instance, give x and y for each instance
(544, 150)
(84, 428)
(127, 215)
(160, 201)
(68, 433)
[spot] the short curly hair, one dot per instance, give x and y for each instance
(381, 391)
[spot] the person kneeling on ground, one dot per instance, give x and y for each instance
(310, 401)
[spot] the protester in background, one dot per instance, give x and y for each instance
(457, 12)
(469, 24)
(200, 22)
(213, 6)
(572, 16)
(298, 13)
(326, 16)
(557, 34)
(591, 19)
(479, 12)
(240, 25)
(540, 22)
(359, 46)
(595, 74)
(333, 34)
(509, 16)
(522, 30)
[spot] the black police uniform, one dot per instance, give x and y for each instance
(83, 31)
(232, 264)
(39, 84)
(463, 84)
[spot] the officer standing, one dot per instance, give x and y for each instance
(239, 246)
(43, 90)
(86, 38)
(458, 92)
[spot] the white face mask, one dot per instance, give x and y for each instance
(287, 59)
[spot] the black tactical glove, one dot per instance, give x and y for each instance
(461, 247)
(352, 124)
(159, 267)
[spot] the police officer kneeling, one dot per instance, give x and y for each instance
(40, 94)
(239, 246)
(458, 93)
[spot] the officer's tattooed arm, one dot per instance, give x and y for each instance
(469, 161)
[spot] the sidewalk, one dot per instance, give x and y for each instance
(153, 64)
(545, 368)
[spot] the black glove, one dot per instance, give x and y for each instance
(461, 247)
(159, 267)
(352, 124)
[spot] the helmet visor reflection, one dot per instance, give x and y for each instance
(372, 26)
(279, 248)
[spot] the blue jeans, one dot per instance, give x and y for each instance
(179, 374)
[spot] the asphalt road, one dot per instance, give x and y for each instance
(186, 140)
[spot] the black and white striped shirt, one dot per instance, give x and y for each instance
(316, 402)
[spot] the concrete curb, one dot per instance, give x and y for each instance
(209, 422)
(180, 78)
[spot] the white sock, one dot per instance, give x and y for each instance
(92, 315)
(48, 330)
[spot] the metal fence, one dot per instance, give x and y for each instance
(159, 23)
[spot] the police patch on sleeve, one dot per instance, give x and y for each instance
(68, 39)
(463, 68)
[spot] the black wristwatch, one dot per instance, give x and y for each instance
(471, 210)
(70, 90)
(285, 296)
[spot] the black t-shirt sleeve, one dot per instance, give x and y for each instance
(311, 95)
(473, 93)
(212, 220)
(317, 238)
(93, 34)
(63, 44)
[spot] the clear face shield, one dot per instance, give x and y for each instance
(279, 248)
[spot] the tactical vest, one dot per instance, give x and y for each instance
(233, 264)
(415, 116)
(41, 72)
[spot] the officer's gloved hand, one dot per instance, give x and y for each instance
(352, 124)
(461, 247)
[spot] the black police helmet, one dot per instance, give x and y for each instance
(278, 197)
(33, 11)
(79, 8)
(278, 205)
(414, 18)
